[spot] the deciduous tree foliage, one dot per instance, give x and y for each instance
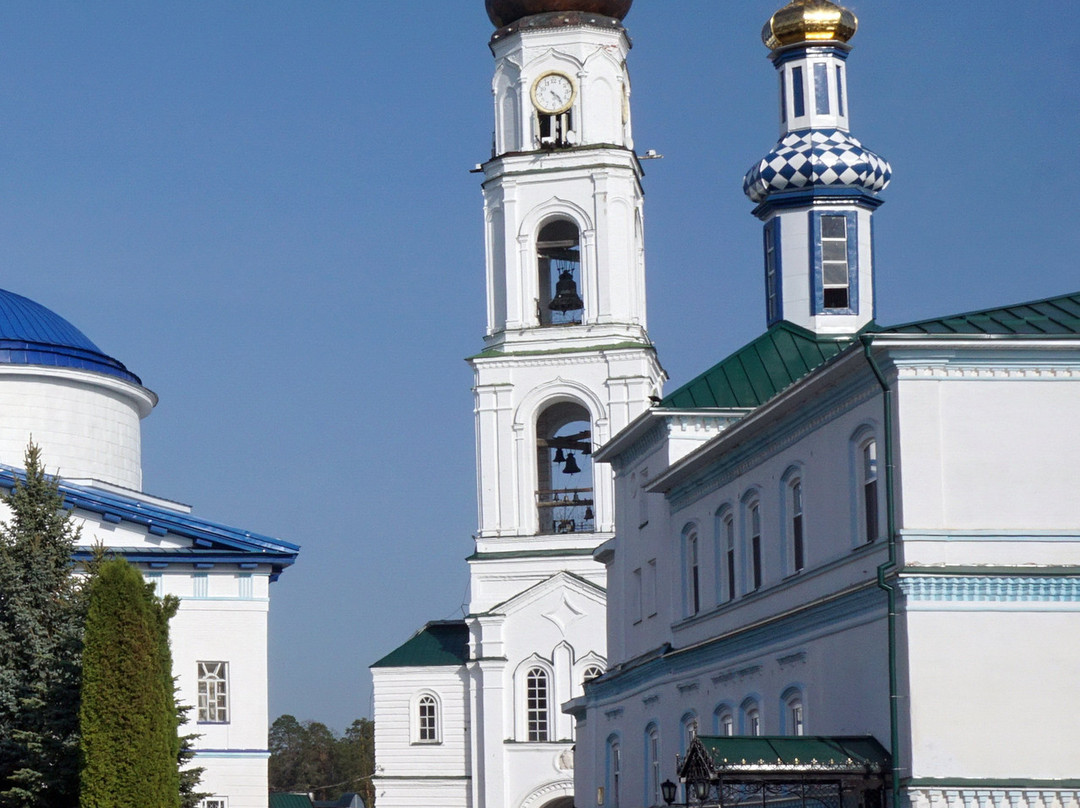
(41, 617)
(128, 715)
(309, 757)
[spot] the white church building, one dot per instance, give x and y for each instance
(467, 712)
(846, 571)
(84, 409)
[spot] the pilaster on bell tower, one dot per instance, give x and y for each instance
(567, 359)
(817, 189)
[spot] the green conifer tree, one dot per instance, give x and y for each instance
(41, 616)
(128, 716)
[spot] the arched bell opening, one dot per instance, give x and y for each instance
(564, 491)
(558, 252)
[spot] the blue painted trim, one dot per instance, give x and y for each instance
(785, 55)
(993, 589)
(805, 197)
(220, 541)
(817, 285)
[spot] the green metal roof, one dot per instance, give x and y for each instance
(735, 753)
(439, 643)
(759, 370)
(1054, 315)
(290, 801)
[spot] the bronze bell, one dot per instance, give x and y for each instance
(566, 296)
(588, 515)
(559, 457)
(571, 466)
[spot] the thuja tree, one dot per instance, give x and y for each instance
(41, 615)
(128, 716)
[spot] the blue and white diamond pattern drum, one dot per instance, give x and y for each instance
(816, 158)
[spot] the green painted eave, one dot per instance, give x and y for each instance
(290, 801)
(759, 370)
(439, 643)
(617, 346)
(738, 752)
(1052, 316)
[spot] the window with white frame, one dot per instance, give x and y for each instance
(428, 729)
(868, 489)
(753, 526)
(773, 301)
(693, 570)
(213, 692)
(794, 707)
(751, 717)
(214, 802)
(727, 543)
(724, 720)
(795, 525)
(591, 672)
(835, 280)
(614, 772)
(652, 772)
(537, 702)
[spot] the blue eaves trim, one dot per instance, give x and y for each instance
(212, 540)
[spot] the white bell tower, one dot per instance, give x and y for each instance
(567, 361)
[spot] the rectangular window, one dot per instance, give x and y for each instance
(729, 538)
(428, 720)
(796, 526)
(772, 271)
(835, 280)
(695, 574)
(635, 595)
(839, 90)
(821, 88)
(755, 545)
(650, 588)
(214, 802)
(654, 767)
(783, 97)
(213, 692)
(537, 705)
(870, 497)
(797, 91)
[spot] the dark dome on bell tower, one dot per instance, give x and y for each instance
(507, 12)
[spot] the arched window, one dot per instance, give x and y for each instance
(613, 772)
(558, 256)
(796, 541)
(753, 544)
(564, 493)
(690, 730)
(868, 489)
(428, 729)
(652, 765)
(537, 704)
(794, 716)
(692, 570)
(725, 554)
(723, 720)
(751, 717)
(592, 672)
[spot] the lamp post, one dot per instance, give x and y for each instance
(699, 788)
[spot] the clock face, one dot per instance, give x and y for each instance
(553, 93)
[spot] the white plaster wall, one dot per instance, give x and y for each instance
(410, 773)
(241, 778)
(989, 685)
(986, 452)
(87, 424)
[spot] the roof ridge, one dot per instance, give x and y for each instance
(1053, 300)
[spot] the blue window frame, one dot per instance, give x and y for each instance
(834, 248)
(783, 97)
(774, 303)
(798, 92)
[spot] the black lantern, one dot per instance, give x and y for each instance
(667, 790)
(701, 790)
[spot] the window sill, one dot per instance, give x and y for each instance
(213, 723)
(426, 743)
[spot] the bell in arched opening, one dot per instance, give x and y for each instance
(566, 294)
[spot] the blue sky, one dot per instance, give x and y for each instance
(264, 209)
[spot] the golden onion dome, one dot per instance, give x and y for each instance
(809, 21)
(507, 12)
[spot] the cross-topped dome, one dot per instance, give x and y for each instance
(809, 21)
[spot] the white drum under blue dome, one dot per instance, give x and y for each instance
(81, 406)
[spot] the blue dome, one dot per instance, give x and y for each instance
(825, 158)
(31, 334)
